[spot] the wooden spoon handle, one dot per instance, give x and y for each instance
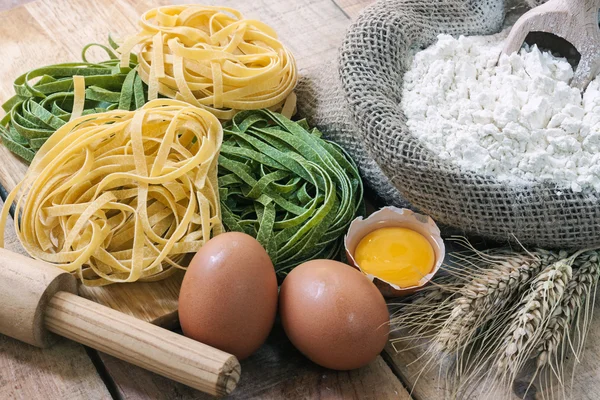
(582, 6)
(576, 21)
(137, 342)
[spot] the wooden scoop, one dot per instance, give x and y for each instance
(37, 299)
(576, 21)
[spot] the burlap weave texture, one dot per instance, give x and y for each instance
(356, 101)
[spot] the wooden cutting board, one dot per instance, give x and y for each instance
(46, 32)
(53, 31)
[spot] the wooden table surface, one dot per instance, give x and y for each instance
(70, 371)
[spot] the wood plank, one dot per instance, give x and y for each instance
(26, 49)
(352, 8)
(586, 380)
(312, 29)
(276, 371)
(78, 23)
(155, 302)
(9, 4)
(426, 382)
(63, 371)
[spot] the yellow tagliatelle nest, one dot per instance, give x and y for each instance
(213, 58)
(123, 195)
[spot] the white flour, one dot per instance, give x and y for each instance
(516, 119)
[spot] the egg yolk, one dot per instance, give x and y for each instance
(399, 256)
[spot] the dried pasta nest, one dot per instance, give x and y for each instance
(373, 59)
(213, 58)
(122, 196)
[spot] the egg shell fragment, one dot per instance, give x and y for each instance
(334, 314)
(396, 217)
(228, 298)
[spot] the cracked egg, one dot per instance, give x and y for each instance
(398, 249)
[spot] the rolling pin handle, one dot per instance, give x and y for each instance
(39, 299)
(141, 343)
(26, 287)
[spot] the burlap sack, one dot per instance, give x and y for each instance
(356, 102)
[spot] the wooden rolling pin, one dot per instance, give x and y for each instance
(37, 299)
(576, 21)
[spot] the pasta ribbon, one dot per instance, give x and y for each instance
(281, 183)
(213, 58)
(49, 97)
(122, 196)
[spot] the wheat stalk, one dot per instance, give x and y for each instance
(487, 295)
(586, 272)
(499, 309)
(574, 311)
(482, 310)
(523, 335)
(424, 312)
(427, 312)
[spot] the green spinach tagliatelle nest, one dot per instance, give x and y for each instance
(281, 183)
(44, 98)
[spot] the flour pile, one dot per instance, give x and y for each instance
(513, 117)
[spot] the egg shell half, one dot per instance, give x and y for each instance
(396, 217)
(334, 314)
(228, 298)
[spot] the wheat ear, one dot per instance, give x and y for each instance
(487, 295)
(586, 270)
(422, 315)
(523, 335)
(573, 316)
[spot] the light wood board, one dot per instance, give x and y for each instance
(52, 31)
(9, 4)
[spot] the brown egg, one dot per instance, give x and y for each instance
(334, 314)
(228, 298)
